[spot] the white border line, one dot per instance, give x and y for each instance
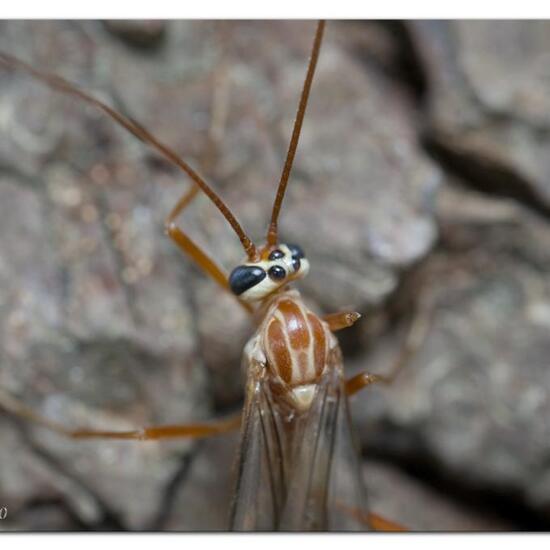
(269, 541)
(236, 9)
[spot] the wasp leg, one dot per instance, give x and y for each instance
(341, 320)
(416, 335)
(356, 383)
(184, 243)
(380, 523)
(374, 521)
(193, 431)
(191, 249)
(169, 431)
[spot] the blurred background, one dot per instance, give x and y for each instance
(422, 175)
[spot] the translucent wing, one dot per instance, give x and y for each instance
(299, 472)
(260, 489)
(326, 490)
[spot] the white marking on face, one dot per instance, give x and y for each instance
(274, 280)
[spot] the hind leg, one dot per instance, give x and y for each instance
(193, 431)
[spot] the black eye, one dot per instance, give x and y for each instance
(296, 251)
(277, 273)
(244, 277)
(296, 263)
(276, 254)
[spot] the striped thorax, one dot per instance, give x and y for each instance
(292, 344)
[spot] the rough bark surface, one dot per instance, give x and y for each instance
(421, 173)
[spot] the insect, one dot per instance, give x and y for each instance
(298, 467)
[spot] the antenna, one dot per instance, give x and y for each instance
(272, 232)
(61, 85)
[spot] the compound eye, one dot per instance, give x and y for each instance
(276, 255)
(276, 273)
(244, 277)
(296, 251)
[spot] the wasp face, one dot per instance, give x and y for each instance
(254, 281)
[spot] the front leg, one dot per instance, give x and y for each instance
(341, 320)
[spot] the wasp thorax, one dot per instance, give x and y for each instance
(278, 266)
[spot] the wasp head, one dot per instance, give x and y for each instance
(276, 267)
